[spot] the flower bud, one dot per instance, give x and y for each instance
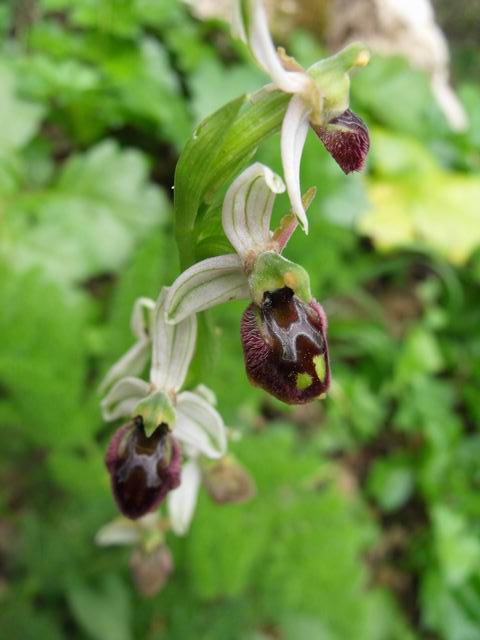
(285, 347)
(142, 470)
(151, 570)
(227, 482)
(346, 139)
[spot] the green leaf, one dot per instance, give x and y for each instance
(104, 613)
(194, 172)
(20, 119)
(92, 217)
(391, 482)
(436, 211)
(458, 550)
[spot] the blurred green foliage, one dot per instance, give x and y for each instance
(366, 522)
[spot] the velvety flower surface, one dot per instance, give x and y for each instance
(285, 347)
(142, 469)
(346, 139)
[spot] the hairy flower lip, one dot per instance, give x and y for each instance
(346, 139)
(140, 478)
(301, 371)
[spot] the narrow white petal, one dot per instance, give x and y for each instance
(247, 208)
(294, 133)
(206, 284)
(140, 320)
(122, 398)
(131, 363)
(173, 347)
(120, 531)
(237, 23)
(266, 55)
(200, 425)
(182, 501)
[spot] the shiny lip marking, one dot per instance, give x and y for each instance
(288, 337)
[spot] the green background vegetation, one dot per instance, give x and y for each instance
(366, 524)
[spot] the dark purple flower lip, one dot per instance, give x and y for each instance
(285, 347)
(142, 470)
(347, 140)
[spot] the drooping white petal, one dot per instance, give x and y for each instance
(173, 347)
(122, 398)
(266, 55)
(293, 136)
(182, 501)
(200, 425)
(120, 531)
(206, 284)
(140, 320)
(247, 208)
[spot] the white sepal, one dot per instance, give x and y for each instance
(294, 133)
(131, 363)
(200, 426)
(247, 208)
(122, 398)
(206, 284)
(119, 531)
(141, 314)
(182, 501)
(263, 49)
(173, 347)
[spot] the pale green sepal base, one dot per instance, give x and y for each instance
(332, 78)
(272, 271)
(155, 409)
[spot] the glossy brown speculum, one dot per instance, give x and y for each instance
(142, 470)
(285, 347)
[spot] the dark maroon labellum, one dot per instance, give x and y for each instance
(285, 347)
(142, 470)
(346, 139)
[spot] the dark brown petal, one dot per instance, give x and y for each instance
(346, 139)
(285, 347)
(142, 470)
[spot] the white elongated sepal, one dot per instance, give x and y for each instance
(141, 314)
(247, 208)
(204, 285)
(131, 363)
(134, 361)
(122, 398)
(118, 532)
(294, 133)
(263, 49)
(173, 347)
(182, 501)
(200, 426)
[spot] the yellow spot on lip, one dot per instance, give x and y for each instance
(290, 280)
(363, 58)
(320, 367)
(304, 380)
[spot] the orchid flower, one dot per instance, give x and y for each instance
(144, 455)
(320, 98)
(283, 330)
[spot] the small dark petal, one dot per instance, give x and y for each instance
(346, 139)
(285, 347)
(142, 470)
